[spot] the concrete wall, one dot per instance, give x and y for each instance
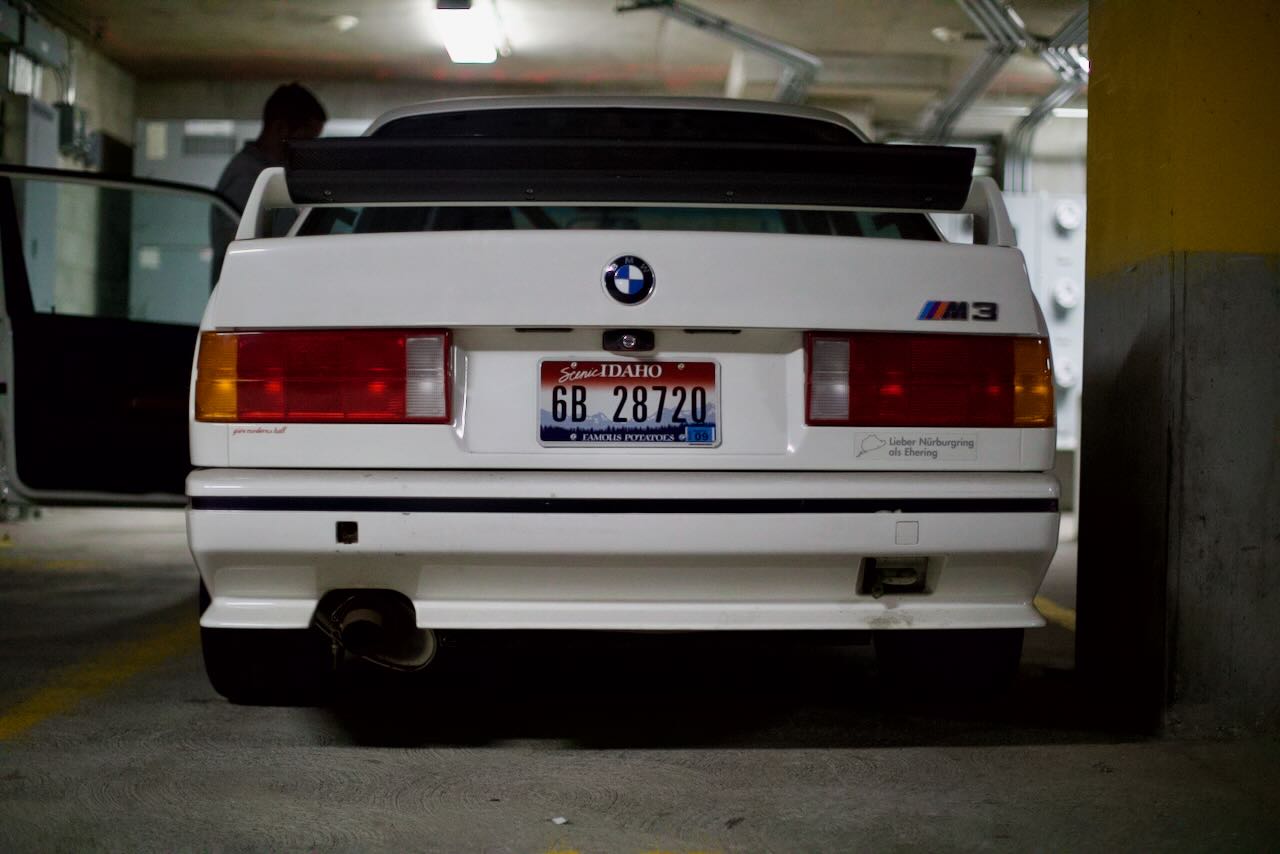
(106, 93)
(1058, 175)
(104, 90)
(64, 224)
(1179, 583)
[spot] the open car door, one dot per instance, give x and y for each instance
(105, 281)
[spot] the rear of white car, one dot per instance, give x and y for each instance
(642, 393)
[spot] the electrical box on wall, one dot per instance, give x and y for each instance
(73, 135)
(10, 25)
(47, 46)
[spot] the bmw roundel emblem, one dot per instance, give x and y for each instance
(629, 280)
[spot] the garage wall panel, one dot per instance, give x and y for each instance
(1179, 592)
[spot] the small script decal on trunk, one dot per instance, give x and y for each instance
(921, 446)
(271, 431)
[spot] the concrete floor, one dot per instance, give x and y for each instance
(110, 738)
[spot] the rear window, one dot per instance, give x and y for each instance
(382, 220)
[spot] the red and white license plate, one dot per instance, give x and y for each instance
(628, 403)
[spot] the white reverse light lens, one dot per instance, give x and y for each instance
(425, 377)
(829, 379)
(470, 35)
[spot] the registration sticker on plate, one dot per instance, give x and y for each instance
(629, 403)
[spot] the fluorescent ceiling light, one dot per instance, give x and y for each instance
(209, 127)
(343, 23)
(470, 35)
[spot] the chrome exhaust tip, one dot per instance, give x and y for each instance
(378, 626)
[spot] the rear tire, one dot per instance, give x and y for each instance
(282, 667)
(965, 664)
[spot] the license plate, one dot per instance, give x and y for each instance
(629, 403)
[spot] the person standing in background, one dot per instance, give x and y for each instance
(292, 112)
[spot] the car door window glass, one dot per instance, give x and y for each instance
(128, 253)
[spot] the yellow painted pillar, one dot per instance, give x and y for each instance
(1179, 591)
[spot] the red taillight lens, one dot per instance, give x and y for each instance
(877, 379)
(329, 375)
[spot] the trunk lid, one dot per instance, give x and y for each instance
(516, 299)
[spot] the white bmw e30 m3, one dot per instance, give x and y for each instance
(618, 364)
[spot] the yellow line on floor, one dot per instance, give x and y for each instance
(1055, 613)
(104, 671)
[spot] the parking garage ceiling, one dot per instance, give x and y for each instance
(886, 58)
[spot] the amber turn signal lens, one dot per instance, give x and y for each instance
(1032, 383)
(216, 377)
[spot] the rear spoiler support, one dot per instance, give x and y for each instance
(991, 223)
(270, 192)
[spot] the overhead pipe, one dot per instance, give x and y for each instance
(1002, 23)
(940, 120)
(1063, 54)
(1005, 35)
(799, 68)
(1017, 162)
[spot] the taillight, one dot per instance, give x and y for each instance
(328, 375)
(879, 379)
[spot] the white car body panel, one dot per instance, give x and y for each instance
(463, 281)
(704, 280)
(428, 498)
(621, 570)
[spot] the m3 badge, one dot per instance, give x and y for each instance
(951, 310)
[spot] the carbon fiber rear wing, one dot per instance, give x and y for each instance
(373, 171)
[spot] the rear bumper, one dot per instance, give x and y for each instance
(624, 550)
